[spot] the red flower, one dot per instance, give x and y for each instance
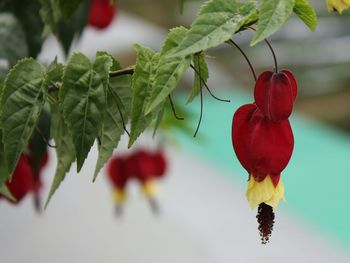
(116, 172)
(147, 165)
(275, 94)
(160, 163)
(264, 148)
(22, 180)
(143, 164)
(118, 176)
(101, 13)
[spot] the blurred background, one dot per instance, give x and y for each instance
(204, 215)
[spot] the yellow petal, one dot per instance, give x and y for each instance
(264, 192)
(150, 189)
(119, 196)
(338, 5)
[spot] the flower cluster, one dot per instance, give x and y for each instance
(143, 166)
(263, 142)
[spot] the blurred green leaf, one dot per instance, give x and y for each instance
(6, 192)
(50, 13)
(74, 26)
(306, 13)
(181, 5)
(272, 16)
(26, 12)
(12, 46)
(68, 7)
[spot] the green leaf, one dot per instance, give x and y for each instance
(3, 73)
(12, 46)
(74, 26)
(273, 15)
(50, 13)
(306, 13)
(68, 7)
(82, 98)
(4, 176)
(38, 141)
(169, 70)
(200, 67)
(21, 103)
(118, 101)
(181, 5)
(26, 13)
(54, 73)
(141, 85)
(216, 22)
(65, 150)
(158, 121)
(6, 192)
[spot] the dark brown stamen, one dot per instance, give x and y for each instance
(266, 219)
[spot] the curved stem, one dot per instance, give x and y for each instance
(201, 113)
(206, 85)
(44, 139)
(120, 112)
(273, 54)
(123, 121)
(173, 109)
(232, 43)
(270, 47)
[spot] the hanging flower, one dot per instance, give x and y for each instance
(338, 5)
(264, 149)
(21, 182)
(101, 13)
(144, 170)
(145, 167)
(160, 163)
(118, 176)
(275, 94)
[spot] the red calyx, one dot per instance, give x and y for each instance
(22, 180)
(101, 13)
(117, 172)
(263, 147)
(275, 94)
